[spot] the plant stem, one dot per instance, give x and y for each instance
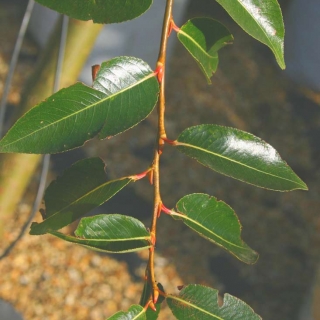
(158, 150)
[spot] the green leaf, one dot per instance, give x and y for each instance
(200, 302)
(240, 155)
(262, 19)
(100, 11)
(80, 189)
(113, 233)
(203, 37)
(125, 92)
(215, 221)
(135, 313)
(146, 294)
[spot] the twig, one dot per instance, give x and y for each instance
(13, 62)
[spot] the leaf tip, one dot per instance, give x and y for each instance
(34, 229)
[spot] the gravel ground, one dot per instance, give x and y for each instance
(248, 92)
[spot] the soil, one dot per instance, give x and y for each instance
(45, 278)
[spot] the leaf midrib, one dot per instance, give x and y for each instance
(196, 43)
(82, 110)
(271, 44)
(193, 306)
(146, 238)
(184, 216)
(85, 195)
(237, 162)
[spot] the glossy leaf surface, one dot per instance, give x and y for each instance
(262, 19)
(81, 188)
(124, 93)
(135, 312)
(240, 155)
(215, 221)
(200, 302)
(112, 233)
(100, 11)
(203, 37)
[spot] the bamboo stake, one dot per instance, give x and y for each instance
(16, 170)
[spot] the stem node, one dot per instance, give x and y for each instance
(165, 209)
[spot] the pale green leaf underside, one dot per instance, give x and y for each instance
(200, 302)
(113, 233)
(135, 312)
(124, 93)
(203, 37)
(262, 19)
(81, 188)
(215, 221)
(240, 155)
(100, 11)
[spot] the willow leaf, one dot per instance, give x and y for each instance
(124, 93)
(200, 302)
(203, 37)
(100, 11)
(262, 19)
(113, 233)
(80, 189)
(135, 312)
(215, 221)
(240, 155)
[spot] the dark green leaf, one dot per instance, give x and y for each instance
(135, 313)
(215, 221)
(80, 189)
(113, 233)
(125, 92)
(145, 297)
(100, 11)
(203, 37)
(200, 302)
(262, 19)
(240, 155)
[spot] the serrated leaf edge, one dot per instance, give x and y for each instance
(130, 179)
(152, 74)
(303, 186)
(71, 238)
(169, 296)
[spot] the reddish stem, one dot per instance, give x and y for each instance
(174, 26)
(141, 175)
(171, 142)
(165, 209)
(159, 71)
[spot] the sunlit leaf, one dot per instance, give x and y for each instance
(100, 11)
(215, 221)
(113, 233)
(80, 189)
(203, 37)
(240, 155)
(200, 302)
(124, 93)
(135, 313)
(262, 19)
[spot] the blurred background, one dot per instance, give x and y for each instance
(45, 278)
